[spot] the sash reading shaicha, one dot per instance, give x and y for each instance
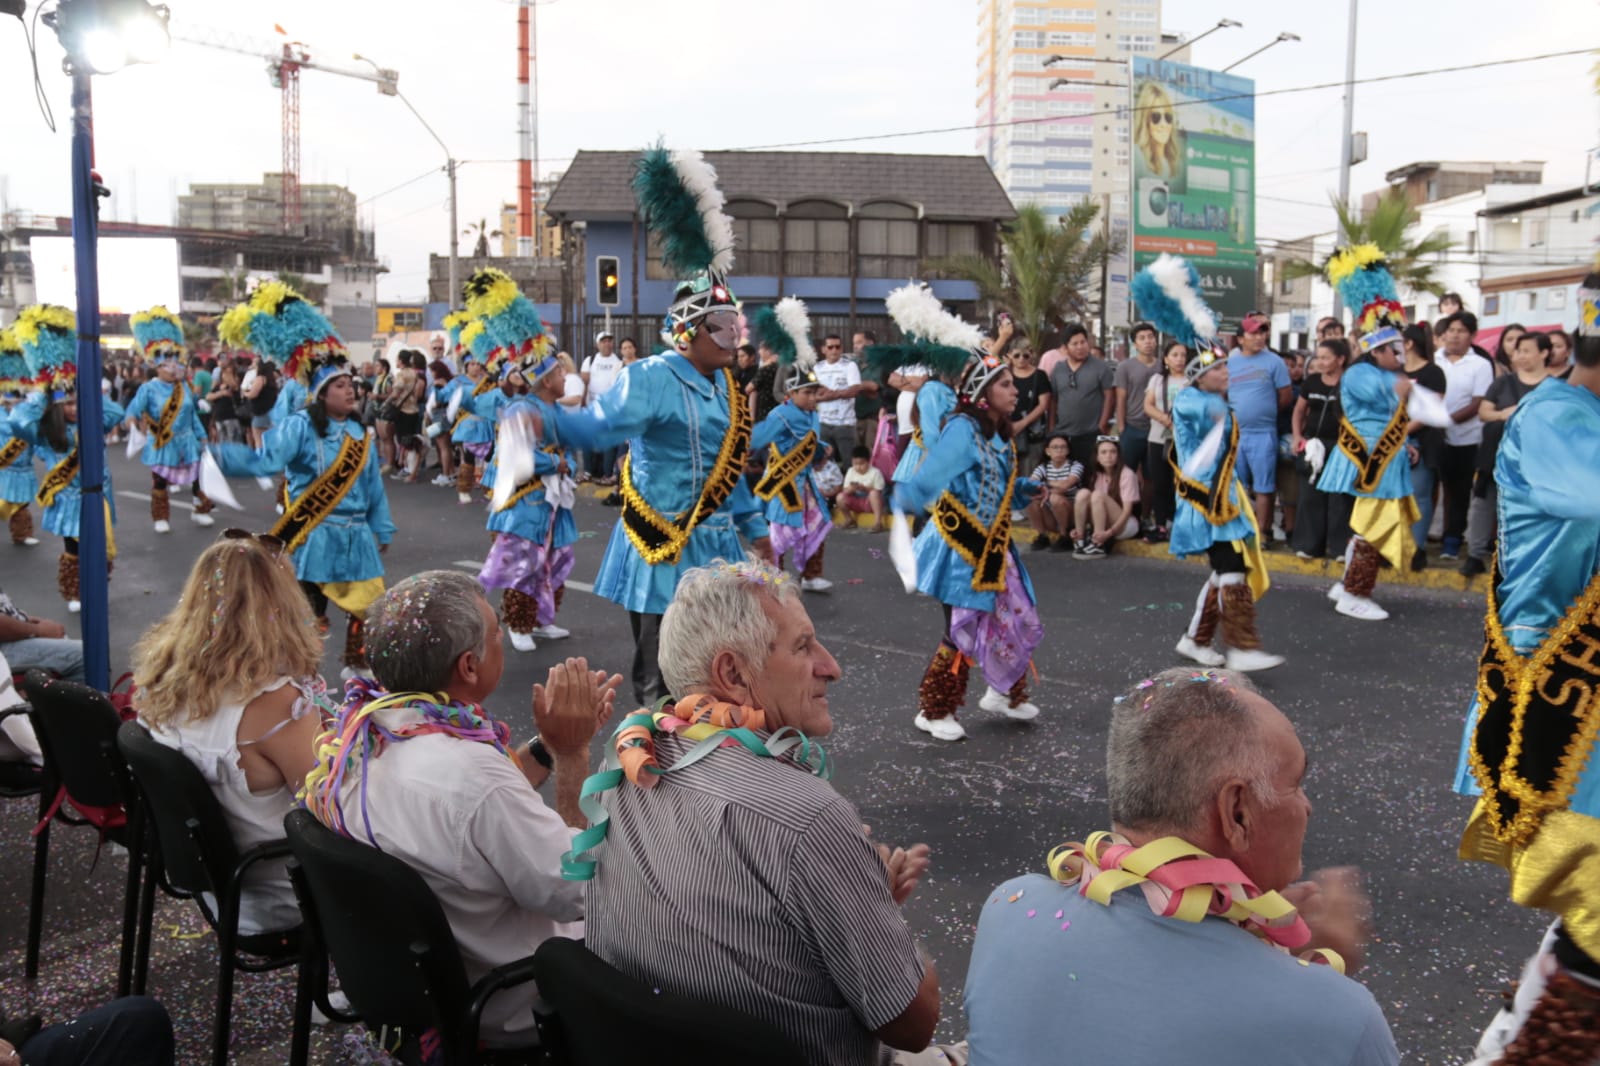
(324, 494)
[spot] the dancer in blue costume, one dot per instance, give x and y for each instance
(18, 484)
(1370, 460)
(798, 518)
(684, 501)
(530, 512)
(337, 521)
(1214, 513)
(166, 411)
(964, 559)
(476, 404)
(49, 421)
(1529, 749)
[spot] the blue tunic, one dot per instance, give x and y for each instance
(675, 420)
(530, 517)
(1194, 414)
(18, 483)
(975, 471)
(482, 413)
(340, 547)
(187, 433)
(786, 425)
(61, 517)
(1367, 395)
(291, 398)
(935, 402)
(1549, 533)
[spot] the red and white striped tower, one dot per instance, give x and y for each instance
(527, 152)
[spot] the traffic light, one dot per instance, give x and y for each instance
(608, 280)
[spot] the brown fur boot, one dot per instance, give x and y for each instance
(1239, 618)
(22, 525)
(944, 684)
(1205, 630)
(813, 567)
(203, 504)
(1361, 575)
(519, 611)
(67, 577)
(1018, 694)
(1563, 1028)
(464, 478)
(560, 594)
(160, 505)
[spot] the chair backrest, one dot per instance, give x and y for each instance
(197, 849)
(384, 930)
(604, 1015)
(77, 731)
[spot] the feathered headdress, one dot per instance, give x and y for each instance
(454, 323)
(785, 330)
(278, 323)
(510, 321)
(931, 335)
(1168, 294)
(49, 338)
(1361, 274)
(682, 208)
(14, 373)
(158, 334)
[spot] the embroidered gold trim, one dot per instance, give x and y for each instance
(484, 385)
(1371, 465)
(983, 549)
(161, 429)
(59, 477)
(12, 451)
(659, 540)
(1560, 683)
(1216, 501)
(323, 495)
(782, 470)
(532, 485)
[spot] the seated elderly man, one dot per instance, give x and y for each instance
(731, 872)
(414, 764)
(1169, 939)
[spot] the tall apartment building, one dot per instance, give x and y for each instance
(327, 212)
(1055, 147)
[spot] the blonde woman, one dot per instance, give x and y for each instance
(229, 678)
(1156, 131)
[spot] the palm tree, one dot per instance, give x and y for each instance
(481, 228)
(231, 288)
(1411, 262)
(1047, 270)
(312, 291)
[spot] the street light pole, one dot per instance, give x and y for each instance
(1285, 36)
(1222, 24)
(1348, 132)
(93, 568)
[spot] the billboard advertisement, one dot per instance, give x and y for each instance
(1193, 155)
(135, 273)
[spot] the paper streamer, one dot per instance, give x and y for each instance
(213, 484)
(900, 550)
(513, 455)
(1199, 462)
(136, 439)
(1426, 406)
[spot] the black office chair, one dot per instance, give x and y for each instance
(195, 854)
(601, 1013)
(85, 782)
(391, 943)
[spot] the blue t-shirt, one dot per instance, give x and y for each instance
(1253, 384)
(1058, 978)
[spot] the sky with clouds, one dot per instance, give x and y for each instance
(746, 73)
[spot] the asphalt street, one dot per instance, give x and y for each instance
(1378, 706)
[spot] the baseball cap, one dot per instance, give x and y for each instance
(602, 335)
(1255, 322)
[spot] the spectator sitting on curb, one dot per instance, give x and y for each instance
(1109, 511)
(863, 489)
(1050, 512)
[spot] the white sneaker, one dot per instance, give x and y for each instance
(443, 479)
(74, 606)
(941, 728)
(1337, 592)
(201, 519)
(1199, 653)
(163, 526)
(28, 542)
(995, 700)
(1362, 608)
(464, 497)
(522, 641)
(1248, 661)
(815, 584)
(551, 632)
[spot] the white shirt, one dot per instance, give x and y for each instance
(464, 817)
(1464, 378)
(837, 375)
(573, 388)
(603, 371)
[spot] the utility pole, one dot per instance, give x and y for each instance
(1348, 136)
(455, 237)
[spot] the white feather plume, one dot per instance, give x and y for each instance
(1172, 274)
(918, 312)
(792, 315)
(700, 178)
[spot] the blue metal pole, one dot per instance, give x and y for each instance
(92, 567)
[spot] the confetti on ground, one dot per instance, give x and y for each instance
(1032, 913)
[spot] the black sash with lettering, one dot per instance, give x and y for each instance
(161, 429)
(1370, 465)
(1216, 501)
(983, 549)
(59, 477)
(783, 472)
(12, 451)
(323, 495)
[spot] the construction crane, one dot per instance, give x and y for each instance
(285, 61)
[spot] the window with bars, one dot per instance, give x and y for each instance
(886, 241)
(816, 237)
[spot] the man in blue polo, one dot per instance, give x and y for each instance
(1258, 388)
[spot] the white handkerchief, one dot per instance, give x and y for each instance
(1427, 407)
(213, 484)
(136, 439)
(900, 550)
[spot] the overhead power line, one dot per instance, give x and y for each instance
(1375, 79)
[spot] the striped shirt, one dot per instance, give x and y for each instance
(747, 882)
